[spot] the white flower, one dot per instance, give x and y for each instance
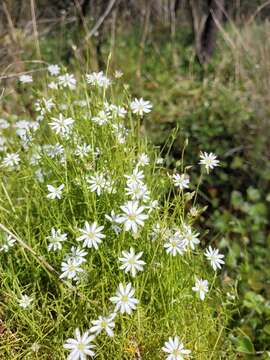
(70, 268)
(131, 262)
(175, 349)
(152, 206)
(159, 161)
(8, 243)
(35, 347)
(61, 125)
(181, 181)
(25, 301)
(208, 160)
(98, 79)
(44, 105)
(91, 235)
(201, 286)
(156, 231)
(101, 118)
(55, 192)
(56, 238)
(190, 238)
(97, 182)
(67, 80)
(132, 216)
(52, 85)
(81, 346)
(4, 124)
(54, 70)
(124, 300)
(54, 150)
(104, 323)
(136, 177)
(113, 218)
(175, 245)
(77, 254)
(214, 257)
(25, 79)
(140, 106)
(83, 150)
(137, 191)
(118, 111)
(11, 160)
(143, 159)
(118, 74)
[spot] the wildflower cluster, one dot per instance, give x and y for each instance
(98, 212)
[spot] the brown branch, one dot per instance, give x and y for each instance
(101, 20)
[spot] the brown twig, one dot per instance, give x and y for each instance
(101, 20)
(39, 258)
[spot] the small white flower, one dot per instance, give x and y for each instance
(214, 257)
(181, 181)
(8, 243)
(156, 231)
(4, 124)
(230, 296)
(25, 79)
(201, 286)
(54, 70)
(175, 349)
(140, 106)
(113, 218)
(98, 79)
(152, 206)
(143, 159)
(132, 216)
(81, 346)
(137, 191)
(91, 235)
(136, 176)
(55, 192)
(175, 245)
(56, 238)
(83, 150)
(104, 323)
(35, 347)
(62, 125)
(118, 74)
(97, 182)
(11, 160)
(118, 111)
(124, 300)
(77, 254)
(53, 85)
(70, 268)
(101, 118)
(131, 262)
(208, 160)
(159, 161)
(25, 301)
(54, 150)
(190, 238)
(67, 80)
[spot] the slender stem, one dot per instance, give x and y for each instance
(43, 262)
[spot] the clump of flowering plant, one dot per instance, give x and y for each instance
(90, 230)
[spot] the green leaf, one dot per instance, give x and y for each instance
(245, 345)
